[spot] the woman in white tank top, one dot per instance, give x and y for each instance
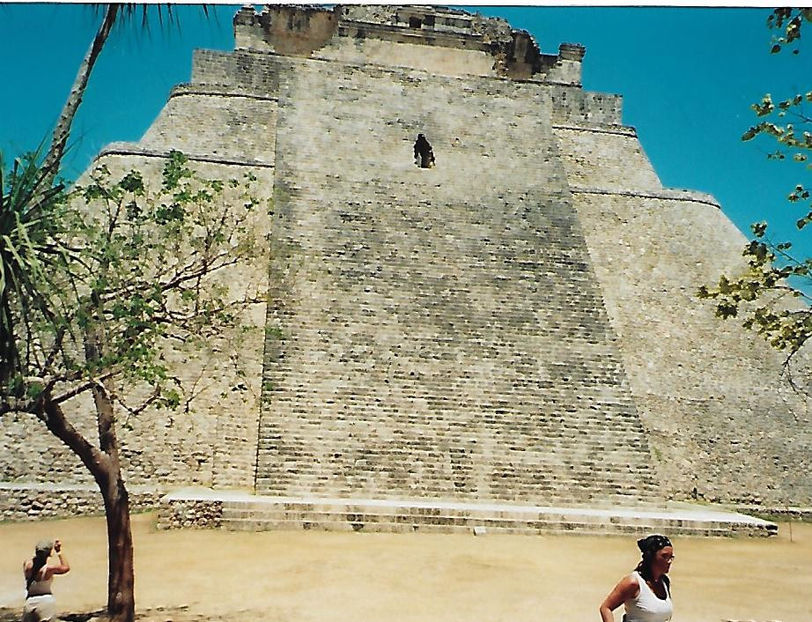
(646, 593)
(40, 605)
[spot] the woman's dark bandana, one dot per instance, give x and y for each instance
(653, 543)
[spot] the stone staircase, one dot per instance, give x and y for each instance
(242, 511)
(433, 335)
(375, 390)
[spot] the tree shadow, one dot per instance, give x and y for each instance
(14, 615)
(158, 614)
(83, 616)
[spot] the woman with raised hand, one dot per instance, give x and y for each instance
(646, 592)
(40, 605)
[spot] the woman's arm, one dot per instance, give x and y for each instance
(63, 566)
(626, 588)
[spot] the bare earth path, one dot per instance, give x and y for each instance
(326, 577)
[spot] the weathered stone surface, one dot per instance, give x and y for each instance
(517, 323)
(243, 512)
(441, 335)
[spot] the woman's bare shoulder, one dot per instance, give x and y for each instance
(629, 584)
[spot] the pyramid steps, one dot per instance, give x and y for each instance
(242, 511)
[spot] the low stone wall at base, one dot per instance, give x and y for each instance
(190, 513)
(21, 502)
(242, 511)
(777, 513)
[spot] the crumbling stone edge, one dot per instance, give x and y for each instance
(23, 502)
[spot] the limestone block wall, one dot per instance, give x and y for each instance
(321, 33)
(37, 501)
(217, 123)
(604, 158)
(28, 452)
(289, 30)
(435, 332)
(442, 61)
(435, 39)
(241, 71)
(573, 106)
(566, 68)
(721, 419)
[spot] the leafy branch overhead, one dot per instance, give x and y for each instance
(772, 296)
(788, 23)
(104, 287)
(84, 306)
(147, 268)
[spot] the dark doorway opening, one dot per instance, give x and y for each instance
(423, 153)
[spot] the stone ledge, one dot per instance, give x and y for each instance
(669, 194)
(133, 149)
(217, 90)
(396, 33)
(620, 130)
(778, 512)
(240, 510)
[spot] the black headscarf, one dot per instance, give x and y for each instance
(653, 543)
(648, 547)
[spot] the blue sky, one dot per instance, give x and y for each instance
(688, 77)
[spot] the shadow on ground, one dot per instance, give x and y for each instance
(160, 614)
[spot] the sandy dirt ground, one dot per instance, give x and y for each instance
(330, 577)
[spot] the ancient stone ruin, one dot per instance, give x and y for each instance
(505, 318)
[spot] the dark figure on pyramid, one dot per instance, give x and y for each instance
(423, 155)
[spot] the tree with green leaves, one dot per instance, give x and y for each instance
(102, 282)
(85, 308)
(772, 296)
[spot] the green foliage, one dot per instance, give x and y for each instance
(274, 332)
(788, 22)
(31, 213)
(770, 297)
(146, 268)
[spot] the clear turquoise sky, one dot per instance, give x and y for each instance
(688, 77)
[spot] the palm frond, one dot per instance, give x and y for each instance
(31, 226)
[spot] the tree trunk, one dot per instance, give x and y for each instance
(105, 467)
(53, 159)
(121, 575)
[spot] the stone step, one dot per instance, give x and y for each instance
(621, 499)
(242, 511)
(599, 487)
(535, 476)
(551, 481)
(592, 434)
(493, 527)
(536, 450)
(453, 430)
(537, 472)
(505, 458)
(574, 427)
(358, 449)
(354, 456)
(532, 464)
